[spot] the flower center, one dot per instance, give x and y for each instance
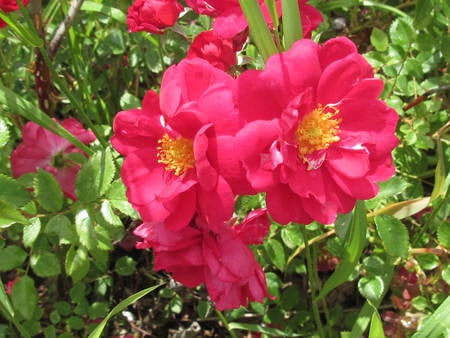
(317, 131)
(58, 161)
(176, 154)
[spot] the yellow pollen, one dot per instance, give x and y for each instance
(317, 131)
(176, 154)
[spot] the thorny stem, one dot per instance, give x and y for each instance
(225, 323)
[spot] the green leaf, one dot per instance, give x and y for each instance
(77, 263)
(446, 274)
(443, 234)
(374, 265)
(11, 257)
(48, 191)
(23, 33)
(31, 232)
(12, 191)
(45, 265)
(394, 235)
(292, 23)
(376, 326)
(28, 110)
(272, 332)
(379, 40)
(424, 13)
(276, 253)
(120, 307)
(4, 133)
(10, 215)
(420, 303)
(116, 14)
(24, 297)
(116, 195)
(63, 228)
(6, 309)
(402, 33)
(95, 176)
(125, 266)
(403, 209)
(437, 324)
(292, 236)
(85, 229)
(354, 244)
(371, 288)
(428, 261)
(129, 101)
(259, 31)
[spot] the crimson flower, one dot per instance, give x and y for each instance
(41, 148)
(153, 16)
(229, 20)
(168, 169)
(218, 52)
(317, 138)
(10, 6)
(221, 259)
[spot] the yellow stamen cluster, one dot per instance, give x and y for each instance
(176, 154)
(317, 131)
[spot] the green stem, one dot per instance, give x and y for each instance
(225, 323)
(310, 261)
(259, 31)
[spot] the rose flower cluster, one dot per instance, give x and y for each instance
(308, 131)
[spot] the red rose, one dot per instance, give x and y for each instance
(153, 15)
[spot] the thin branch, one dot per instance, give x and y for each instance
(75, 6)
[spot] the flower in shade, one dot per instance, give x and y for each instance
(221, 259)
(229, 20)
(10, 6)
(168, 169)
(153, 16)
(41, 148)
(218, 52)
(317, 138)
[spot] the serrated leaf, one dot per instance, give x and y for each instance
(31, 232)
(372, 288)
(48, 191)
(45, 265)
(276, 253)
(443, 234)
(428, 261)
(11, 257)
(85, 229)
(10, 215)
(424, 13)
(24, 297)
(379, 40)
(94, 177)
(77, 263)
(13, 192)
(63, 228)
(446, 274)
(394, 235)
(116, 195)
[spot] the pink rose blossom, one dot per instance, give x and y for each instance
(220, 259)
(229, 20)
(41, 148)
(317, 137)
(153, 16)
(218, 52)
(168, 169)
(10, 6)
